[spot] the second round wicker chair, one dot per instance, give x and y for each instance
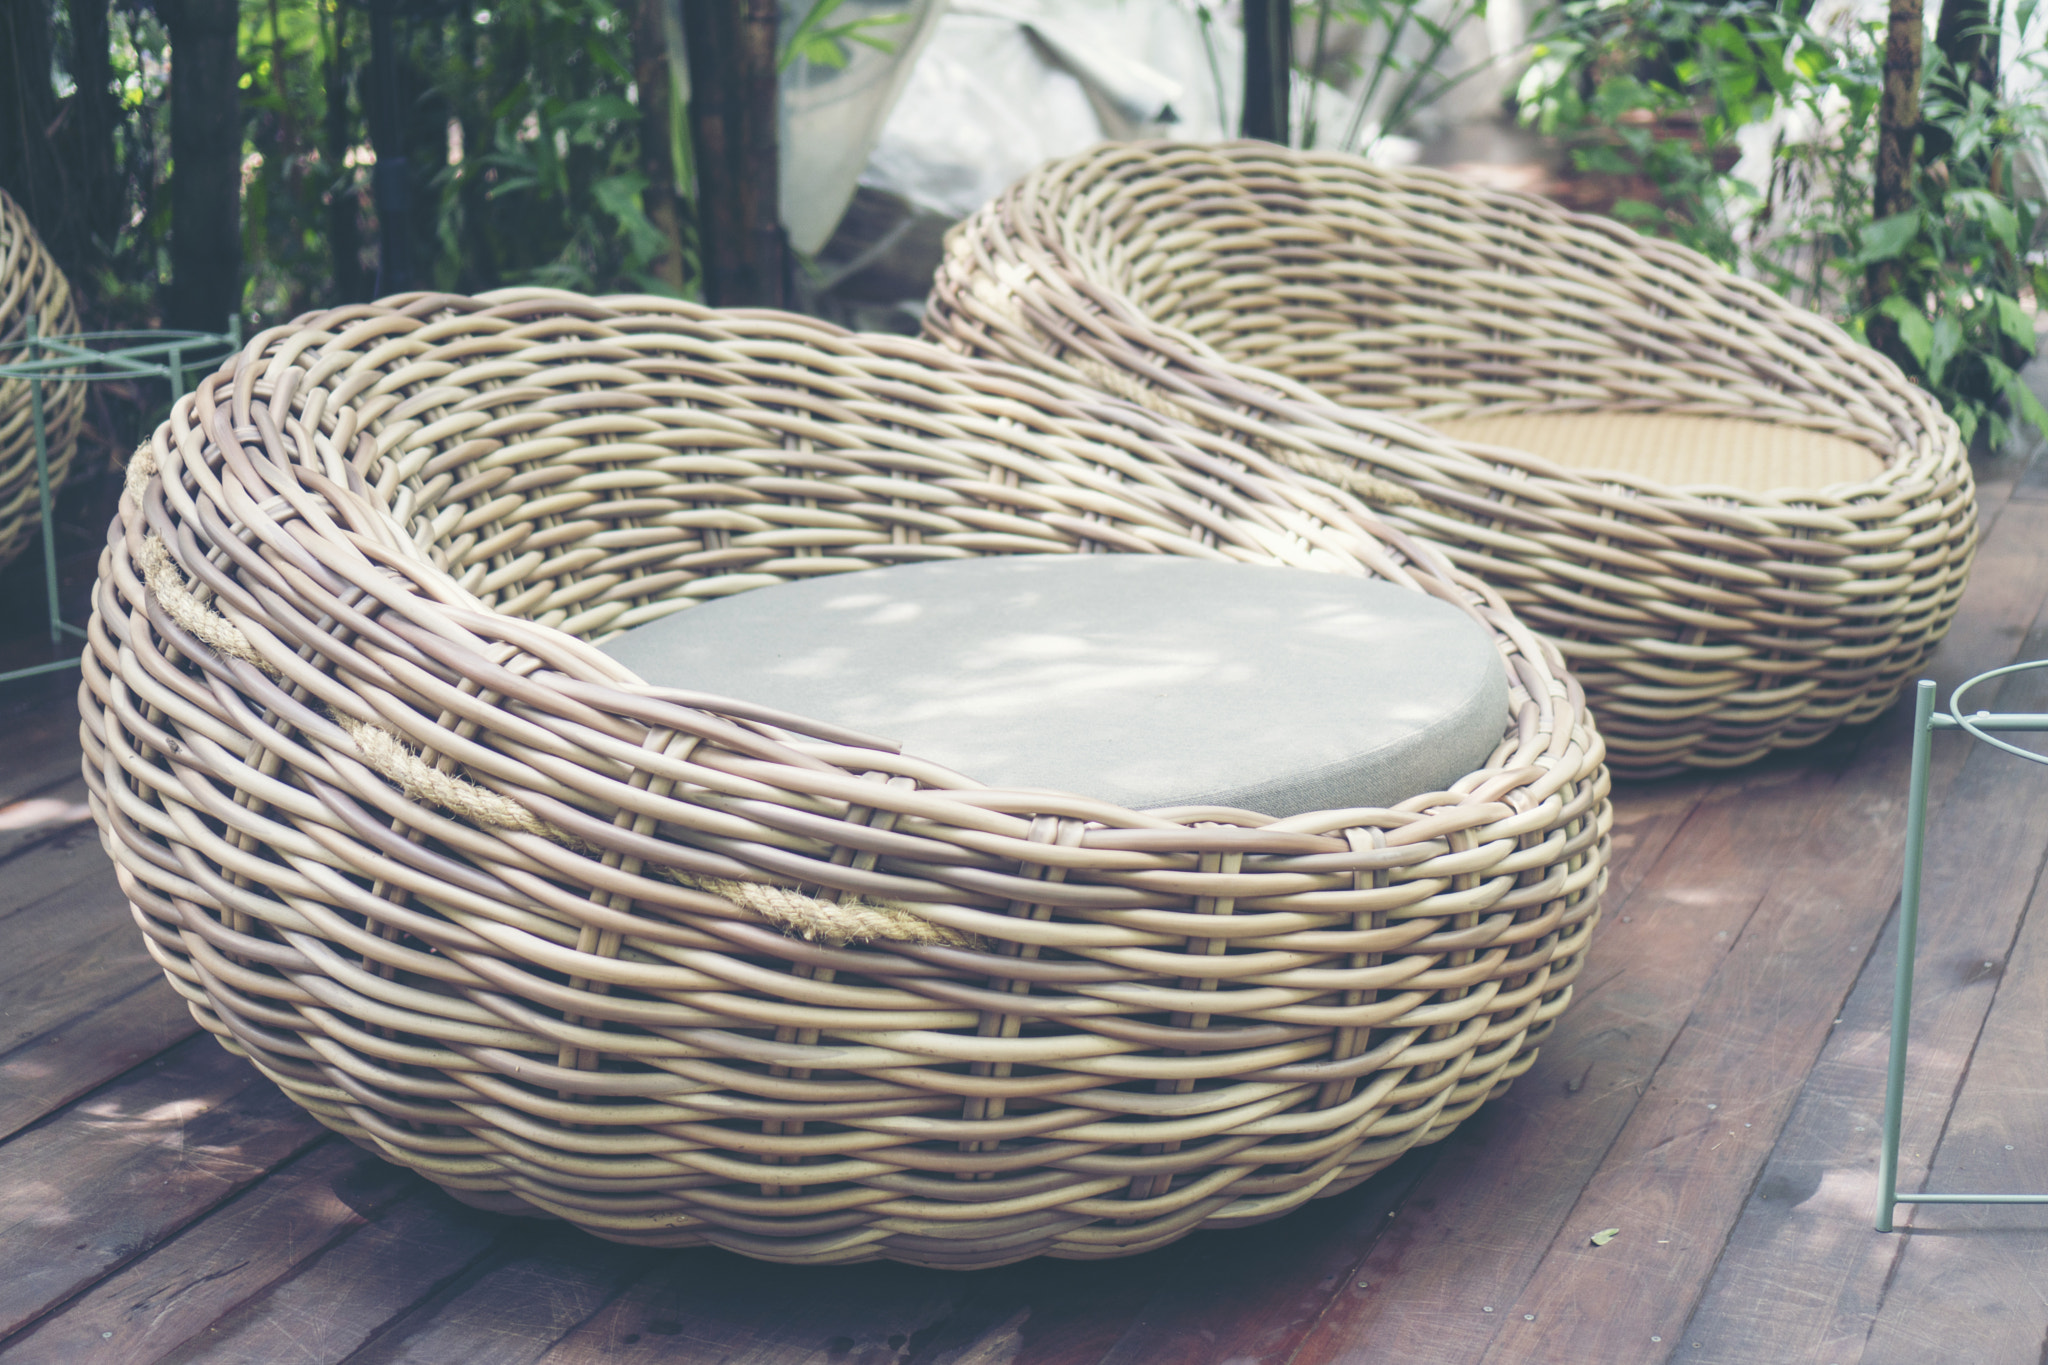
(683, 970)
(1321, 308)
(31, 287)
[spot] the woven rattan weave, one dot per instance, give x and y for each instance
(31, 287)
(682, 970)
(1310, 303)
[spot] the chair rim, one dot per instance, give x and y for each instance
(1625, 572)
(1028, 219)
(279, 858)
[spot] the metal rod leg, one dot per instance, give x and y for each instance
(1909, 939)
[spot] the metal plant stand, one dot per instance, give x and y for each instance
(1926, 720)
(92, 357)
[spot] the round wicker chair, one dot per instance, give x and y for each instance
(1321, 307)
(31, 287)
(683, 970)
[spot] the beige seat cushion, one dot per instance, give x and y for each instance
(1680, 451)
(1148, 681)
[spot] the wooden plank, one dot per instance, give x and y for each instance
(1253, 1296)
(409, 1250)
(40, 721)
(516, 1303)
(55, 812)
(1968, 1283)
(118, 1172)
(1684, 1167)
(68, 953)
(177, 1291)
(88, 1049)
(703, 1307)
(64, 859)
(1478, 1223)
(1801, 1272)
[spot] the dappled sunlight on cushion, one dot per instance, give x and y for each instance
(1146, 681)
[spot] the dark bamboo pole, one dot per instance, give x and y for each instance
(761, 165)
(1268, 60)
(732, 49)
(30, 169)
(344, 236)
(390, 185)
(1898, 127)
(95, 113)
(659, 199)
(206, 160)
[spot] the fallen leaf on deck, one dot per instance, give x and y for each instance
(1605, 1235)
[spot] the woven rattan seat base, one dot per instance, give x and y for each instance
(1675, 451)
(1339, 314)
(31, 288)
(688, 970)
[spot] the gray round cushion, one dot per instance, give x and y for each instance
(1143, 680)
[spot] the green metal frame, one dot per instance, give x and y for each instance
(1926, 720)
(90, 357)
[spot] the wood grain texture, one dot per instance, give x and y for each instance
(116, 1173)
(1968, 1281)
(1801, 1271)
(108, 1035)
(513, 1305)
(406, 1252)
(177, 1291)
(39, 717)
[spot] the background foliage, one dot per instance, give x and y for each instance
(1671, 91)
(522, 132)
(519, 121)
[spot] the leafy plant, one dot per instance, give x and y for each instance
(1966, 256)
(1620, 79)
(1612, 76)
(821, 43)
(1390, 54)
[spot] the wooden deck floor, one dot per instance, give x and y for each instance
(1713, 1093)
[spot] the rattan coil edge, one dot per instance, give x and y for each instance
(31, 287)
(529, 979)
(1328, 310)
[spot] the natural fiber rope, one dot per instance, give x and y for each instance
(836, 922)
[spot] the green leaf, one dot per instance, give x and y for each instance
(1605, 1235)
(1884, 239)
(1913, 329)
(2016, 392)
(2014, 321)
(1984, 207)
(1945, 345)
